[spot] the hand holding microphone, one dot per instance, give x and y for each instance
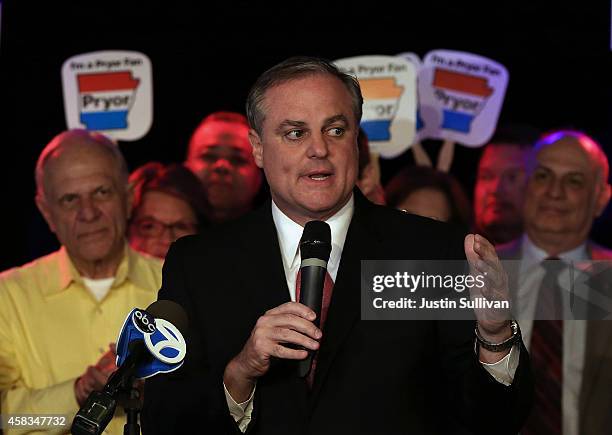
(289, 331)
(315, 249)
(290, 323)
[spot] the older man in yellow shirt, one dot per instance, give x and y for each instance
(60, 314)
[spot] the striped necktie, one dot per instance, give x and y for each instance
(547, 354)
(327, 293)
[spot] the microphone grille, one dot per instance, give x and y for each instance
(316, 241)
(170, 311)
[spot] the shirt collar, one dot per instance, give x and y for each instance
(533, 255)
(290, 233)
(67, 272)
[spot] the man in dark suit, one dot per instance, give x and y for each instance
(238, 286)
(567, 189)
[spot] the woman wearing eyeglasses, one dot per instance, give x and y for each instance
(168, 203)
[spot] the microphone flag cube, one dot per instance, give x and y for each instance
(163, 340)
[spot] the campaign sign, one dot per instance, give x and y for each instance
(416, 61)
(461, 96)
(161, 338)
(110, 92)
(388, 85)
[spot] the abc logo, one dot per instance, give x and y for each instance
(144, 321)
(167, 343)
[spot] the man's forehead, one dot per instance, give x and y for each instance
(79, 162)
(65, 184)
(504, 155)
(502, 150)
(291, 97)
(567, 153)
(216, 133)
(72, 156)
(221, 128)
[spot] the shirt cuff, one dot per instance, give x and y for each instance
(503, 370)
(241, 412)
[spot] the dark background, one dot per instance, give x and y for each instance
(206, 56)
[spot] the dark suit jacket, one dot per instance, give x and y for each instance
(372, 377)
(595, 404)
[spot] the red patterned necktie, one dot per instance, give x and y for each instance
(546, 352)
(327, 293)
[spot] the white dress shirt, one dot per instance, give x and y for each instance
(530, 275)
(289, 235)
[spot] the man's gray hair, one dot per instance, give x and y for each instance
(294, 68)
(84, 136)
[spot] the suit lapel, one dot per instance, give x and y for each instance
(263, 274)
(361, 243)
(510, 255)
(597, 353)
(598, 346)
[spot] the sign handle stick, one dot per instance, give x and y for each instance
(420, 156)
(445, 158)
(375, 164)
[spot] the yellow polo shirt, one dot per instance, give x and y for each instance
(52, 328)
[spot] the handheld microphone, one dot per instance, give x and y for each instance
(315, 248)
(150, 342)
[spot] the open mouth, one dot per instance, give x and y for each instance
(319, 175)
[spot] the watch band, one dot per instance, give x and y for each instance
(504, 345)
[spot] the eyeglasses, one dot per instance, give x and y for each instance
(151, 227)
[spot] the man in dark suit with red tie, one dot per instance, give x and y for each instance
(237, 283)
(567, 189)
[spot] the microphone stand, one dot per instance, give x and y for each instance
(132, 409)
(98, 411)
